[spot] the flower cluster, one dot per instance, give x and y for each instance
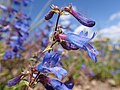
(51, 64)
(15, 24)
(19, 2)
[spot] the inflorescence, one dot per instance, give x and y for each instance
(51, 63)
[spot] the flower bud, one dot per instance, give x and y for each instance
(49, 15)
(14, 81)
(81, 18)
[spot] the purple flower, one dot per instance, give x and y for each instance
(74, 42)
(14, 81)
(51, 59)
(53, 84)
(8, 55)
(50, 64)
(58, 85)
(91, 52)
(81, 18)
(58, 71)
(78, 40)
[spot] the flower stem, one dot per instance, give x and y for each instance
(57, 21)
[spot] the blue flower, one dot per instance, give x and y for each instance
(73, 42)
(53, 84)
(17, 42)
(14, 81)
(8, 55)
(78, 40)
(91, 52)
(51, 59)
(58, 85)
(50, 64)
(58, 71)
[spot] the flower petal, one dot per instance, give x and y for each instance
(92, 52)
(58, 71)
(58, 85)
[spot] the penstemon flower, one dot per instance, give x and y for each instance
(74, 41)
(81, 18)
(53, 84)
(58, 85)
(50, 64)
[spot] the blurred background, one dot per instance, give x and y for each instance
(103, 75)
